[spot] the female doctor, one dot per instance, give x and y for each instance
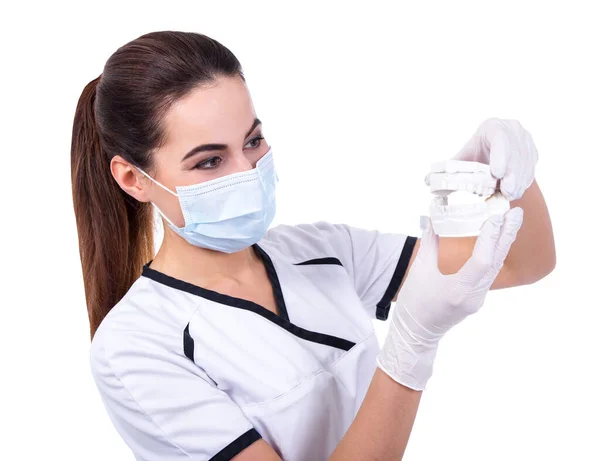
(239, 342)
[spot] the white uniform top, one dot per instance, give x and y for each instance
(190, 373)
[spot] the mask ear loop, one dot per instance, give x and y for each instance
(165, 188)
(155, 181)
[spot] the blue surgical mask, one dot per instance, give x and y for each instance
(229, 213)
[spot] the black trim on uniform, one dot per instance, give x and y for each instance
(239, 444)
(272, 274)
(383, 306)
(188, 343)
(280, 320)
(328, 260)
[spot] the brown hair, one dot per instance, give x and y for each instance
(120, 113)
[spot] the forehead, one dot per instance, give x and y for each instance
(220, 112)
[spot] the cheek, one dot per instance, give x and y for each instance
(165, 201)
(170, 207)
(175, 213)
(266, 148)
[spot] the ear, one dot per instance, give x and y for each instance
(129, 178)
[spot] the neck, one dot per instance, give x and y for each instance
(180, 259)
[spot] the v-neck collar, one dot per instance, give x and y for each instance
(281, 320)
(234, 301)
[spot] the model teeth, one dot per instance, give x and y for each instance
(452, 176)
(457, 210)
(455, 175)
(469, 182)
(465, 219)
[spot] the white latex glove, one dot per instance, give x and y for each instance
(508, 149)
(430, 303)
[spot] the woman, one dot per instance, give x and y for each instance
(238, 342)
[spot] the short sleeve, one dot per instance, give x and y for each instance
(376, 261)
(162, 405)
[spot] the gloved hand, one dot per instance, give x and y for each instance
(508, 149)
(430, 303)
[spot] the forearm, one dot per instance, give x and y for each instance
(383, 423)
(532, 255)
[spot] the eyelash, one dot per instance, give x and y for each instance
(200, 166)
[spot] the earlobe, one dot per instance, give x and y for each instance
(129, 178)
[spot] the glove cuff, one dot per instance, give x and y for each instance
(406, 362)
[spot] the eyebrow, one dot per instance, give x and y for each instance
(208, 147)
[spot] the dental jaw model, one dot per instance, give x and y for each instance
(456, 219)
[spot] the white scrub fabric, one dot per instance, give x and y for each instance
(187, 373)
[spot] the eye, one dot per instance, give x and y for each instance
(255, 139)
(213, 162)
(209, 163)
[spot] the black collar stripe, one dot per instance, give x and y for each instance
(280, 320)
(188, 343)
(328, 260)
(272, 274)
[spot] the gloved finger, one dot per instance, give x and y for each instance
(499, 155)
(430, 241)
(530, 162)
(508, 186)
(513, 219)
(483, 252)
(531, 149)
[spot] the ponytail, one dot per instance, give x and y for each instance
(114, 230)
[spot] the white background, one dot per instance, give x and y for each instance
(357, 99)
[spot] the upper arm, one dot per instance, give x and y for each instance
(453, 254)
(164, 406)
